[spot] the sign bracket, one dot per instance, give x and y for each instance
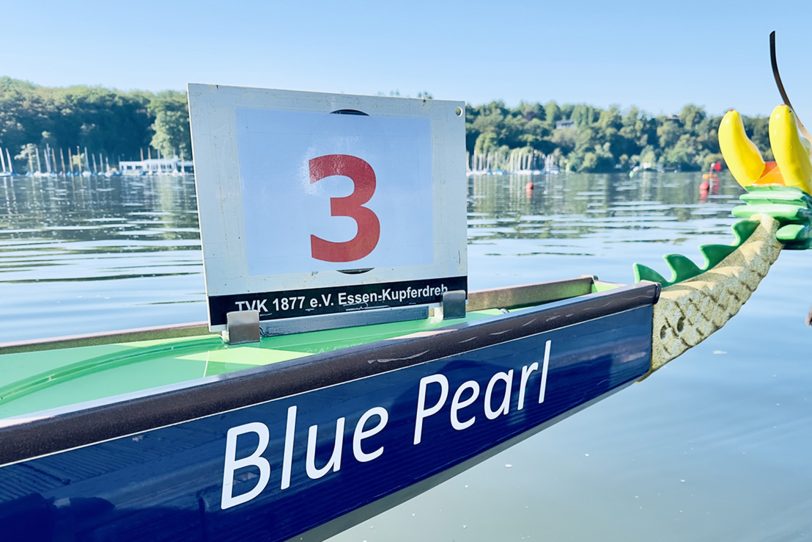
(287, 326)
(242, 327)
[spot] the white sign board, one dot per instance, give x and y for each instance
(317, 204)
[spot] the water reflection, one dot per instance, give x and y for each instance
(573, 206)
(88, 254)
(569, 225)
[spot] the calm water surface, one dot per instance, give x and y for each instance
(716, 446)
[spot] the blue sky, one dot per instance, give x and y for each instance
(657, 55)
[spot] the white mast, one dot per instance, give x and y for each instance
(47, 154)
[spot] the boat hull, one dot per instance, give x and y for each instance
(372, 428)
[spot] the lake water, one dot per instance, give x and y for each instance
(716, 446)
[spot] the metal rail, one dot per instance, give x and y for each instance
(509, 297)
(94, 339)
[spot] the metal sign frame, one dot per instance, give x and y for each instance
(233, 285)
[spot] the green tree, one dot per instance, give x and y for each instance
(120, 124)
(486, 143)
(668, 133)
(691, 115)
(682, 154)
(171, 126)
(583, 115)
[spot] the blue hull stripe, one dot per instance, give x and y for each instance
(285, 469)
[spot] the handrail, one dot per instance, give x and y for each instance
(94, 339)
(508, 297)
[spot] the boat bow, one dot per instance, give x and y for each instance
(688, 312)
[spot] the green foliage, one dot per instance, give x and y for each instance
(111, 122)
(582, 137)
(579, 137)
(171, 126)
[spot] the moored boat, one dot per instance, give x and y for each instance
(173, 434)
(331, 421)
(300, 424)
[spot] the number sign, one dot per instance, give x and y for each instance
(323, 191)
(369, 226)
(306, 210)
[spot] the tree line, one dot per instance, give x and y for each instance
(589, 139)
(578, 137)
(120, 125)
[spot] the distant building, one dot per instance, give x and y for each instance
(568, 123)
(156, 166)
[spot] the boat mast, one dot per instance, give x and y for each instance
(47, 155)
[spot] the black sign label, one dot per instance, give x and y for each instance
(313, 301)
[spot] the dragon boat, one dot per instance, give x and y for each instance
(292, 425)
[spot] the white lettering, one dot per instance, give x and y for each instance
(334, 463)
(360, 433)
(503, 408)
(287, 455)
(545, 365)
(457, 405)
(232, 464)
(422, 412)
(526, 372)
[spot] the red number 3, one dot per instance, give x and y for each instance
(369, 227)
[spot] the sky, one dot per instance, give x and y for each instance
(655, 55)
